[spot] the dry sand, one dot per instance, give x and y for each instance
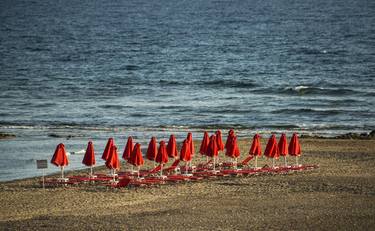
(338, 196)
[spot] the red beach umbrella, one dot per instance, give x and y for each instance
(136, 158)
(213, 150)
(204, 144)
(185, 153)
(89, 158)
(152, 149)
(219, 140)
(272, 149)
(162, 156)
(191, 142)
(107, 149)
(128, 149)
(233, 151)
(283, 147)
(172, 147)
(294, 147)
(112, 161)
(256, 148)
(229, 142)
(59, 158)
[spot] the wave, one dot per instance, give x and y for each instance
(307, 111)
(212, 83)
(307, 90)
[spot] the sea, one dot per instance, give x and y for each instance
(78, 70)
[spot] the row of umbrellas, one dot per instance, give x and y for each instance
(210, 147)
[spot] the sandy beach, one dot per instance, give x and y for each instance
(340, 195)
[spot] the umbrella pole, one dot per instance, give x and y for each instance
(91, 171)
(161, 170)
(256, 162)
(138, 170)
(297, 161)
(286, 165)
(62, 172)
(273, 162)
(214, 164)
(113, 173)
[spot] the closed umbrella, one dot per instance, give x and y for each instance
(294, 147)
(162, 156)
(191, 143)
(89, 158)
(136, 158)
(112, 161)
(272, 149)
(256, 148)
(107, 148)
(185, 154)
(60, 159)
(283, 147)
(204, 145)
(229, 142)
(233, 151)
(172, 147)
(152, 150)
(213, 150)
(219, 142)
(128, 150)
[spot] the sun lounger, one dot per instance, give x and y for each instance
(173, 167)
(242, 163)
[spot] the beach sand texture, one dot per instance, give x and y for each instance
(340, 195)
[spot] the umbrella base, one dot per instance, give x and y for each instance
(187, 174)
(62, 179)
(113, 175)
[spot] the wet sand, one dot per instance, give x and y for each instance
(340, 195)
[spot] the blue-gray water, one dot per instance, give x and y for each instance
(96, 69)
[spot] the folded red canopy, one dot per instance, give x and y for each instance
(204, 144)
(152, 149)
(229, 139)
(294, 146)
(191, 143)
(89, 158)
(107, 149)
(283, 145)
(219, 141)
(162, 156)
(256, 148)
(185, 153)
(233, 151)
(212, 149)
(59, 157)
(272, 150)
(112, 161)
(136, 157)
(172, 147)
(128, 149)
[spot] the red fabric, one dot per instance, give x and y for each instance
(107, 149)
(185, 153)
(229, 140)
(152, 149)
(233, 151)
(89, 158)
(136, 157)
(191, 142)
(212, 149)
(128, 149)
(294, 146)
(204, 144)
(172, 147)
(112, 161)
(272, 150)
(256, 148)
(162, 156)
(283, 145)
(219, 141)
(59, 157)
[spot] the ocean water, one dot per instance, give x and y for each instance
(99, 69)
